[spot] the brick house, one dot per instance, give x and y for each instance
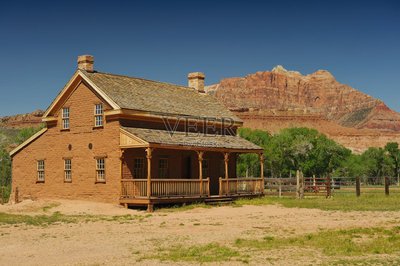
(133, 141)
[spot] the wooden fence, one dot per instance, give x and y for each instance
(299, 186)
(358, 186)
(280, 186)
(240, 186)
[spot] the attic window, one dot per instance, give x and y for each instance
(65, 118)
(98, 115)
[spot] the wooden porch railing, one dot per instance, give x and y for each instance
(237, 186)
(137, 188)
(133, 188)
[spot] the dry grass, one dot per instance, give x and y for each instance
(340, 201)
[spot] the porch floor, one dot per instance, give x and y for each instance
(144, 201)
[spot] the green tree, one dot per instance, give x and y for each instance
(394, 153)
(5, 160)
(292, 149)
(5, 175)
(378, 163)
(249, 164)
(26, 133)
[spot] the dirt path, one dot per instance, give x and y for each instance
(123, 243)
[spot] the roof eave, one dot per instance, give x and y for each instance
(27, 142)
(131, 113)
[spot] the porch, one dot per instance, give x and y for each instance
(164, 173)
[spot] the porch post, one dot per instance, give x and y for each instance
(200, 157)
(148, 156)
(261, 157)
(226, 160)
(122, 158)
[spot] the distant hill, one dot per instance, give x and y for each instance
(11, 125)
(33, 119)
(276, 99)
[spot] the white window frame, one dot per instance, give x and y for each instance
(101, 169)
(40, 171)
(98, 115)
(65, 114)
(67, 170)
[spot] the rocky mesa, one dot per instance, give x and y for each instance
(279, 98)
(33, 119)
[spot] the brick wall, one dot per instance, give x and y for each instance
(52, 147)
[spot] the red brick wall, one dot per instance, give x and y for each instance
(52, 147)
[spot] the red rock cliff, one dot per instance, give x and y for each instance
(279, 98)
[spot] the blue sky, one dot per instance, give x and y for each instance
(358, 42)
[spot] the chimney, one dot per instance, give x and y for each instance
(85, 62)
(196, 81)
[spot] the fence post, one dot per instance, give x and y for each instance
(302, 185)
(280, 187)
(387, 183)
(16, 195)
(358, 190)
(298, 184)
(328, 186)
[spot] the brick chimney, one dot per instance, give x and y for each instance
(196, 81)
(85, 62)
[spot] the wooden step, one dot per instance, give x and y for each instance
(218, 201)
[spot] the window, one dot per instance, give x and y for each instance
(65, 118)
(40, 171)
(138, 168)
(205, 168)
(98, 115)
(163, 168)
(100, 170)
(67, 170)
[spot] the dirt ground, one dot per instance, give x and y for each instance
(124, 243)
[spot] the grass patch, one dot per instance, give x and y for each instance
(51, 205)
(350, 242)
(57, 217)
(367, 261)
(203, 253)
(37, 220)
(340, 201)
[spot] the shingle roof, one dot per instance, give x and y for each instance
(155, 136)
(158, 97)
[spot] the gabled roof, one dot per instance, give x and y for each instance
(195, 140)
(147, 96)
(158, 98)
(69, 87)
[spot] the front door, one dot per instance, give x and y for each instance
(214, 185)
(187, 167)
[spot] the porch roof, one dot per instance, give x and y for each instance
(163, 138)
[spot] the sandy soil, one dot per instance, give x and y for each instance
(116, 243)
